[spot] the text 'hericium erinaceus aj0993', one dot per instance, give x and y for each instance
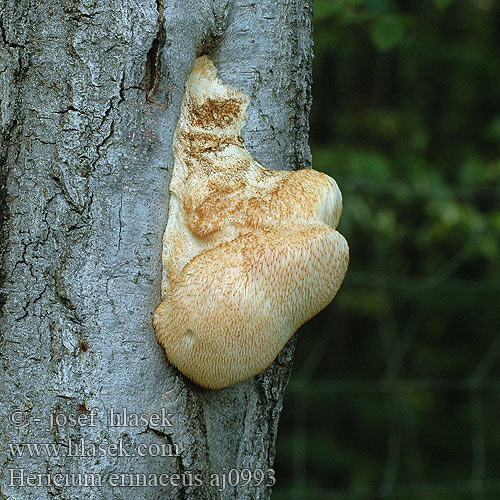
(249, 253)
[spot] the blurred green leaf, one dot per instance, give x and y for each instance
(442, 4)
(378, 6)
(387, 32)
(324, 9)
(494, 128)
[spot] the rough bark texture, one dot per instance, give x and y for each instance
(90, 96)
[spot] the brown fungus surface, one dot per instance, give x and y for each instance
(249, 253)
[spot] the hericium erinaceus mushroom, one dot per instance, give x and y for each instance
(249, 253)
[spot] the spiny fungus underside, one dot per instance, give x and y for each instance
(249, 253)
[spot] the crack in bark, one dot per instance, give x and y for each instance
(120, 223)
(122, 90)
(12, 45)
(31, 302)
(67, 110)
(181, 469)
(153, 59)
(4, 208)
(107, 138)
(106, 114)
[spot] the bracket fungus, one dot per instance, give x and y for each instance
(249, 253)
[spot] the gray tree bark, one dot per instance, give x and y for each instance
(90, 96)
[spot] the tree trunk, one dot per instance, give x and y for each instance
(90, 99)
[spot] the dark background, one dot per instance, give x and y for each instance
(396, 385)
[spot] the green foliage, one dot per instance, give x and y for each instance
(443, 3)
(401, 372)
(387, 32)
